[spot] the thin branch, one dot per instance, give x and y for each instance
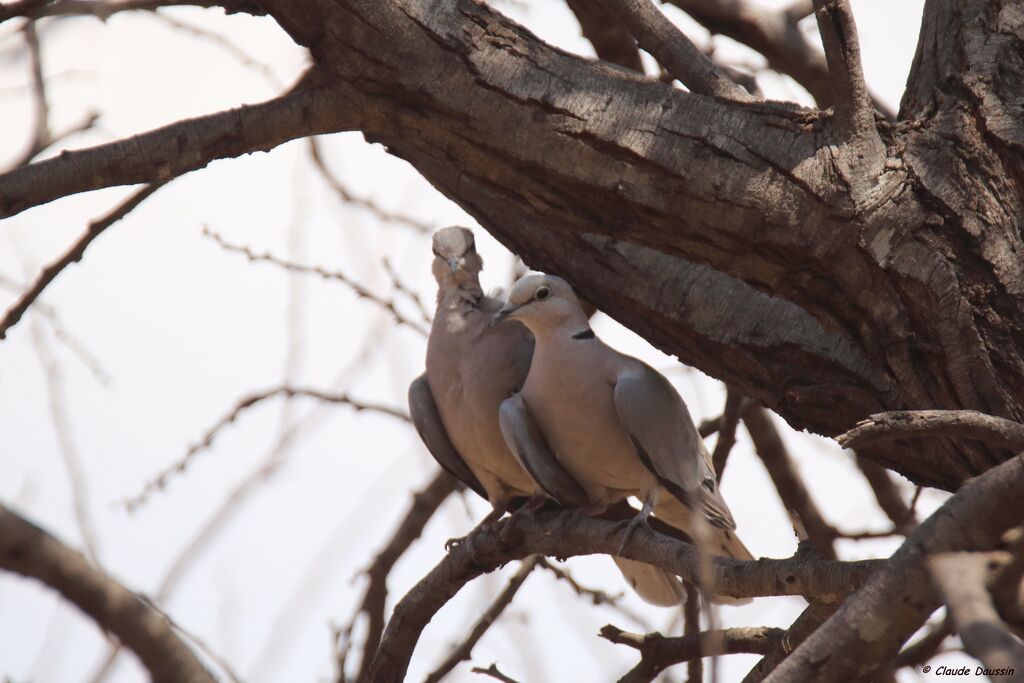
(923, 649)
(712, 425)
(958, 424)
(803, 626)
(55, 390)
(896, 600)
(611, 41)
(222, 41)
(658, 652)
(31, 552)
(369, 205)
(183, 146)
(104, 9)
(72, 255)
(657, 35)
(727, 429)
(566, 534)
(159, 482)
(425, 504)
(770, 448)
(961, 578)
(691, 628)
(402, 288)
(359, 290)
(889, 495)
(492, 672)
(853, 109)
(465, 649)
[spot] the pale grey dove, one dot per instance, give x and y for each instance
(615, 424)
(471, 369)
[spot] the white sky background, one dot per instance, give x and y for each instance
(184, 329)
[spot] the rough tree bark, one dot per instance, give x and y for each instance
(825, 269)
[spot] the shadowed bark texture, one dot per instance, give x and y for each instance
(825, 267)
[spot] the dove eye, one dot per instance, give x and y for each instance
(542, 293)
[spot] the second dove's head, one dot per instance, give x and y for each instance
(542, 302)
(455, 257)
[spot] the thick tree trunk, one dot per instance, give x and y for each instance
(749, 239)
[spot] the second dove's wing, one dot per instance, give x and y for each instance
(531, 449)
(662, 431)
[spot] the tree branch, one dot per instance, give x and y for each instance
(854, 114)
(31, 552)
(961, 579)
(565, 534)
(465, 649)
(658, 652)
(159, 482)
(727, 429)
(611, 41)
(802, 627)
(777, 36)
(164, 153)
(360, 290)
(958, 424)
(104, 9)
(870, 627)
(656, 34)
(888, 495)
(424, 504)
(769, 447)
(72, 255)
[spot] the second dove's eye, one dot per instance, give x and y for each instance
(542, 294)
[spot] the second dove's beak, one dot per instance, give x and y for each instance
(503, 314)
(454, 264)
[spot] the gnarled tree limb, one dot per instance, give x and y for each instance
(565, 534)
(869, 628)
(29, 551)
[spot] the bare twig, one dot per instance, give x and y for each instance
(29, 551)
(961, 578)
(854, 113)
(425, 504)
(465, 649)
(42, 134)
(63, 335)
(959, 424)
(72, 255)
(225, 44)
(727, 430)
(493, 672)
(794, 495)
(369, 205)
(402, 288)
(359, 290)
(68, 449)
(611, 41)
(658, 652)
(888, 495)
(656, 34)
(104, 9)
(691, 628)
(920, 651)
(159, 482)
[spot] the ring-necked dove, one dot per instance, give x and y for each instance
(471, 369)
(615, 424)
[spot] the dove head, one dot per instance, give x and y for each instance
(543, 303)
(455, 258)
